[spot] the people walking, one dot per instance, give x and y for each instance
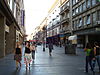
(18, 55)
(97, 53)
(50, 46)
(89, 57)
(27, 55)
(33, 48)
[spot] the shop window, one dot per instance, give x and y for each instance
(88, 19)
(94, 17)
(88, 3)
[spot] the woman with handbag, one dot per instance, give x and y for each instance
(18, 54)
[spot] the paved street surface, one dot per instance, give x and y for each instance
(57, 64)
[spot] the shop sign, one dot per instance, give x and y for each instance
(7, 28)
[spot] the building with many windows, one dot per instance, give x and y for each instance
(53, 23)
(86, 21)
(65, 22)
(12, 29)
(74, 21)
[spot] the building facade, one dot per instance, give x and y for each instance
(9, 26)
(53, 23)
(86, 21)
(67, 18)
(65, 21)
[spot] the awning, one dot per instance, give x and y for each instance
(33, 40)
(74, 37)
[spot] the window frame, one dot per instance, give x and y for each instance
(76, 10)
(88, 19)
(84, 20)
(80, 22)
(84, 6)
(94, 21)
(94, 3)
(88, 3)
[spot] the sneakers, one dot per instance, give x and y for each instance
(86, 71)
(29, 64)
(17, 68)
(50, 54)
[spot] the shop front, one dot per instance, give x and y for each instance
(88, 35)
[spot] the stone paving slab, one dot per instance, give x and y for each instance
(57, 64)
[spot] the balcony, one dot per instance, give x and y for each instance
(65, 29)
(64, 8)
(64, 20)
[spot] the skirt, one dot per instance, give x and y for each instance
(17, 57)
(27, 58)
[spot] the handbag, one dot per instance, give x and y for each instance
(15, 57)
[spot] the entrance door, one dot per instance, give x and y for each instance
(94, 38)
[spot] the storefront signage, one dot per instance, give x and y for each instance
(7, 28)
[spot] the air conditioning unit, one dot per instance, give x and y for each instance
(98, 22)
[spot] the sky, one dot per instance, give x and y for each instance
(35, 12)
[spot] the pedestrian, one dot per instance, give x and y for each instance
(88, 49)
(33, 48)
(27, 54)
(97, 53)
(50, 46)
(18, 54)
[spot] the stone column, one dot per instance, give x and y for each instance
(2, 36)
(11, 37)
